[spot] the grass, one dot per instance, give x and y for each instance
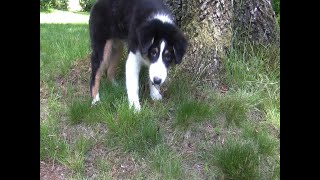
(237, 159)
(233, 107)
(276, 7)
(266, 144)
(192, 111)
(166, 163)
(255, 69)
(134, 131)
(51, 145)
(195, 132)
(76, 155)
(79, 111)
(59, 50)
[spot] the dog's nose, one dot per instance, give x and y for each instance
(157, 80)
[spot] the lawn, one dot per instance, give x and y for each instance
(193, 133)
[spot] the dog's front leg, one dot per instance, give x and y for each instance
(133, 66)
(155, 91)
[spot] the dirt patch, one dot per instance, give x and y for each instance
(255, 115)
(77, 79)
(98, 150)
(96, 132)
(197, 138)
(51, 171)
(189, 142)
(274, 131)
(80, 73)
(124, 166)
(118, 165)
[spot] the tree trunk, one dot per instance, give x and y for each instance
(211, 25)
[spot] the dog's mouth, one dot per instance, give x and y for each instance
(156, 85)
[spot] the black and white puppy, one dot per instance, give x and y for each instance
(153, 39)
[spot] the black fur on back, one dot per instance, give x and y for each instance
(129, 20)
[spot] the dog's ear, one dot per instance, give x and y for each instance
(179, 46)
(145, 37)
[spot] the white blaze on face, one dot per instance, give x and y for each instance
(163, 18)
(158, 68)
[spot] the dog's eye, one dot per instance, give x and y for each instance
(167, 57)
(153, 52)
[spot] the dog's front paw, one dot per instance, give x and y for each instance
(155, 95)
(135, 105)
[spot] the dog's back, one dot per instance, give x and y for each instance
(114, 18)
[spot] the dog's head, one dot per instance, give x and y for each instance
(163, 44)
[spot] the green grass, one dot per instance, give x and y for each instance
(276, 8)
(233, 107)
(192, 111)
(167, 163)
(76, 155)
(151, 144)
(237, 159)
(133, 131)
(266, 143)
(272, 110)
(75, 162)
(82, 144)
(79, 110)
(46, 10)
(51, 145)
(179, 89)
(104, 170)
(101, 165)
(59, 50)
(255, 69)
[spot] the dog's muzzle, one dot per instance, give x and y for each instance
(157, 80)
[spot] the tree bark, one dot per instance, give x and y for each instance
(211, 26)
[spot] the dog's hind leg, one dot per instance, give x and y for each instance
(100, 55)
(117, 49)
